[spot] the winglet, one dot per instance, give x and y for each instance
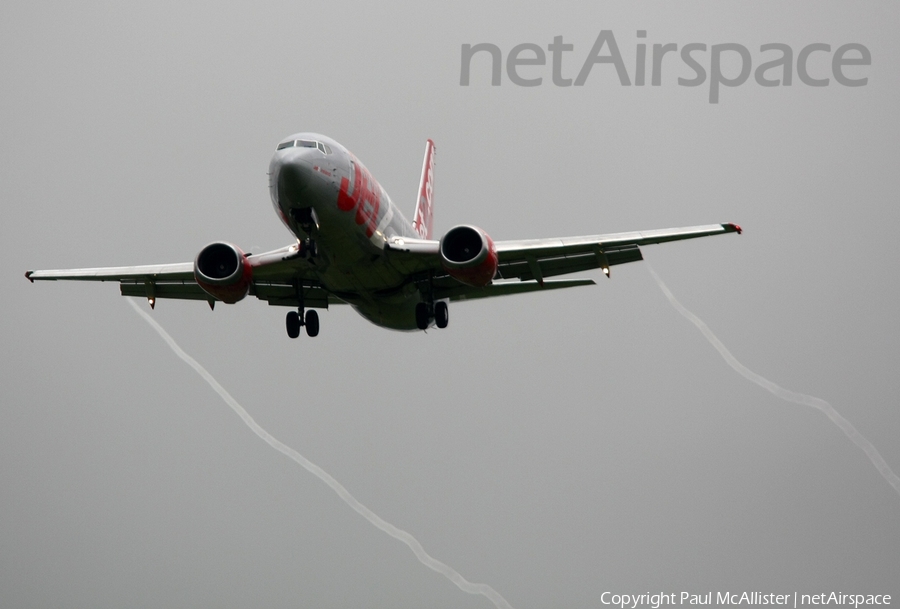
(28, 276)
(731, 227)
(424, 217)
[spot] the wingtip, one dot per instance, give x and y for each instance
(28, 276)
(733, 228)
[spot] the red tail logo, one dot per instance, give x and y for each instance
(424, 218)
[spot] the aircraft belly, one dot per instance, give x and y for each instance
(370, 277)
(396, 311)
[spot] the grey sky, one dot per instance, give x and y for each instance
(553, 446)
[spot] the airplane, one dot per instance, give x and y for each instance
(354, 246)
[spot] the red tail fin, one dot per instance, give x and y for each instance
(424, 218)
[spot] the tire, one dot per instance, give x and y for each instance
(422, 316)
(312, 323)
(292, 323)
(441, 314)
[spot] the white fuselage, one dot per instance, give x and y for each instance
(353, 217)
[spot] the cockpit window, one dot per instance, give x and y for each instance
(323, 148)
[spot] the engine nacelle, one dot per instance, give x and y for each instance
(223, 271)
(468, 255)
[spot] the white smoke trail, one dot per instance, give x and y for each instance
(398, 534)
(790, 396)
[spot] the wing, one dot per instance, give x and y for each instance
(281, 277)
(533, 260)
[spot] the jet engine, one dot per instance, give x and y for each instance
(223, 271)
(468, 255)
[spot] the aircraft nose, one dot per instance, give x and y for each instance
(295, 176)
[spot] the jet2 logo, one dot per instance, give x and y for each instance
(365, 198)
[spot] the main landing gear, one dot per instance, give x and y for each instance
(293, 321)
(440, 312)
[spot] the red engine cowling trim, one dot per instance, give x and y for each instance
(469, 256)
(223, 271)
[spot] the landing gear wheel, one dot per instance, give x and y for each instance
(312, 323)
(422, 316)
(292, 322)
(441, 314)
